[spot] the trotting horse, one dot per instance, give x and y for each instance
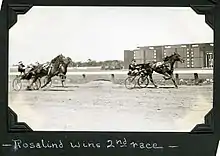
(57, 67)
(63, 69)
(53, 68)
(165, 68)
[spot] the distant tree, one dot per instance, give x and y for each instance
(112, 65)
(73, 64)
(79, 64)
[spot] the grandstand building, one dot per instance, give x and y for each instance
(195, 55)
(128, 57)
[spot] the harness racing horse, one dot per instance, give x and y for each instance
(57, 67)
(63, 69)
(54, 68)
(165, 68)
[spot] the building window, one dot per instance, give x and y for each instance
(187, 52)
(192, 65)
(187, 49)
(187, 59)
(195, 45)
(151, 48)
(154, 50)
(192, 52)
(192, 55)
(164, 50)
(188, 66)
(183, 46)
(155, 56)
(212, 44)
(155, 60)
(187, 55)
(155, 53)
(167, 47)
(187, 62)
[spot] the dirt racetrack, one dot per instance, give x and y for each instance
(104, 106)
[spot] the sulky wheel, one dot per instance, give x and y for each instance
(130, 82)
(143, 81)
(16, 84)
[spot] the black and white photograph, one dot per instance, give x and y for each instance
(139, 69)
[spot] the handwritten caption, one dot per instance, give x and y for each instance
(59, 144)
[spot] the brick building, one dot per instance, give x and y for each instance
(128, 57)
(195, 55)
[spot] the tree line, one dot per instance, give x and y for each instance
(108, 64)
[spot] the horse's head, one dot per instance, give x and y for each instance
(67, 60)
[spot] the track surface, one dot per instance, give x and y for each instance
(104, 106)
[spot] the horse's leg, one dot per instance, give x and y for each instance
(151, 79)
(164, 72)
(48, 81)
(63, 78)
(174, 82)
(167, 76)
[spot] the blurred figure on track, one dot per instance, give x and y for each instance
(133, 68)
(21, 68)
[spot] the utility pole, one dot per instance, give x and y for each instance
(144, 57)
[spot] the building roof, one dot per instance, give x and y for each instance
(175, 45)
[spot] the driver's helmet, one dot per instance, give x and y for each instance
(20, 62)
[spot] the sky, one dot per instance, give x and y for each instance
(101, 33)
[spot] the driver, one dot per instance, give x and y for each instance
(21, 67)
(33, 67)
(133, 68)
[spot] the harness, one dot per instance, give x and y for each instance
(50, 65)
(161, 64)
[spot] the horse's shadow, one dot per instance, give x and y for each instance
(152, 87)
(163, 87)
(61, 88)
